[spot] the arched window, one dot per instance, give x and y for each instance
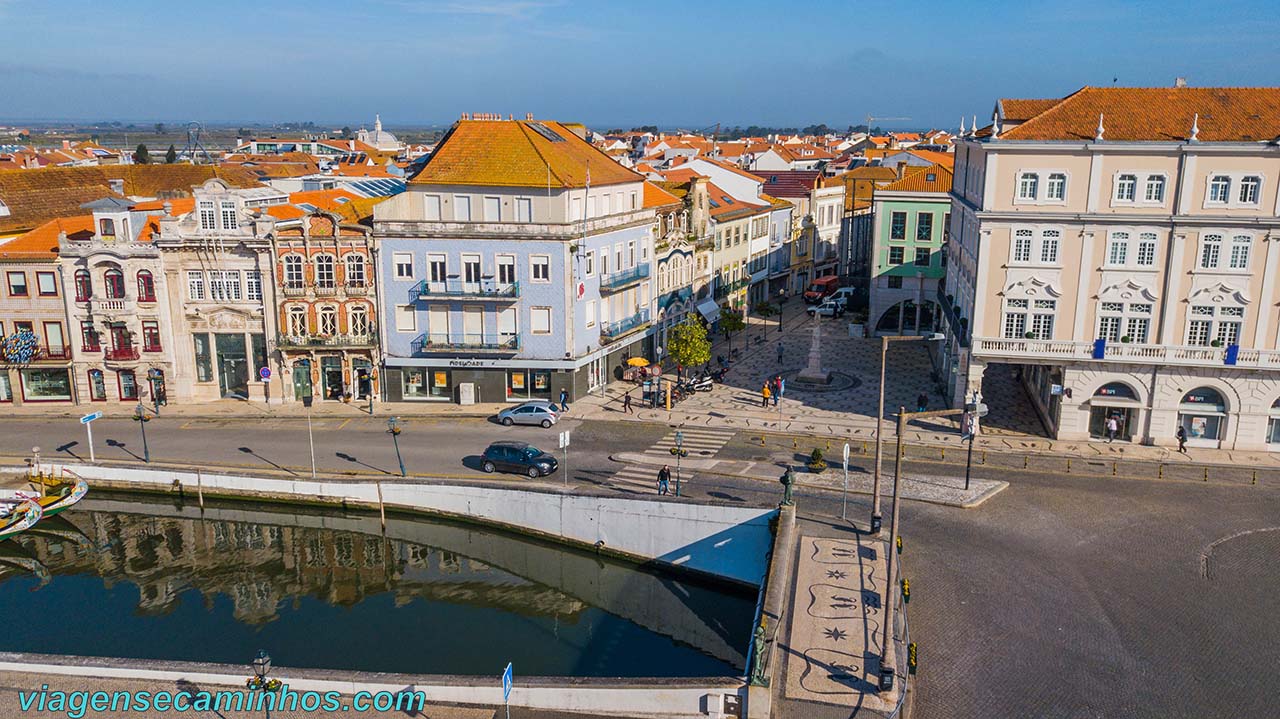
(325, 271)
(327, 321)
(297, 320)
(107, 227)
(355, 270)
(1206, 397)
(1116, 389)
(146, 286)
(358, 320)
(84, 286)
(115, 284)
(1273, 424)
(293, 275)
(1202, 416)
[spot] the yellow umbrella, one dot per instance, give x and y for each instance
(637, 362)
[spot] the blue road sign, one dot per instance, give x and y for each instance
(506, 683)
(90, 417)
(265, 373)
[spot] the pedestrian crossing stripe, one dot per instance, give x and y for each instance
(700, 441)
(641, 477)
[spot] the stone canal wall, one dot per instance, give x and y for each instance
(728, 543)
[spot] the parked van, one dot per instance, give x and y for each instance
(821, 288)
(844, 295)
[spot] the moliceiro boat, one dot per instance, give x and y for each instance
(17, 516)
(54, 494)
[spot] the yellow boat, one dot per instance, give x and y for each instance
(18, 516)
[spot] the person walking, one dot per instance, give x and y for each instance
(764, 395)
(781, 351)
(664, 479)
(922, 402)
(1181, 434)
(781, 388)
(626, 403)
(564, 400)
(776, 389)
(1112, 427)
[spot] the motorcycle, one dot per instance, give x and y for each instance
(703, 383)
(718, 375)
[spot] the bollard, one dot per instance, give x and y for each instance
(1068, 465)
(200, 488)
(943, 453)
(1206, 474)
(1026, 459)
(984, 457)
(864, 447)
(1255, 477)
(795, 444)
(828, 444)
(1160, 471)
(1113, 469)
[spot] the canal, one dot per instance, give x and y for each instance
(125, 576)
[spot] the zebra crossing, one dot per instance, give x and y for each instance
(699, 442)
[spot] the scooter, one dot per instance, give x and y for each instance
(718, 375)
(702, 384)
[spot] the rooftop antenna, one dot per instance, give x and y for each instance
(194, 146)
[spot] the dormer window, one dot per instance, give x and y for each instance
(208, 215)
(107, 228)
(229, 215)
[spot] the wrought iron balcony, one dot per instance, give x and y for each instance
(624, 278)
(120, 353)
(55, 353)
(462, 342)
(610, 331)
(455, 288)
(338, 340)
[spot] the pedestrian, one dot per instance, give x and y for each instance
(776, 389)
(1112, 427)
(1181, 434)
(764, 395)
(664, 479)
(564, 400)
(781, 350)
(626, 403)
(922, 402)
(782, 386)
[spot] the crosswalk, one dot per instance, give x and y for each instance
(699, 442)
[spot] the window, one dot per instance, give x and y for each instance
(946, 227)
(1240, 252)
(354, 266)
(898, 226)
(107, 228)
(1219, 188)
(128, 384)
(208, 218)
(84, 286)
(1147, 249)
(1015, 318)
(1118, 248)
(297, 320)
(1022, 246)
(1210, 251)
(922, 257)
(1126, 187)
(54, 341)
(1049, 246)
(47, 284)
(492, 209)
(462, 208)
(150, 336)
(507, 269)
(146, 286)
(406, 319)
(590, 259)
(1042, 324)
(895, 255)
(431, 204)
(1249, 187)
(1209, 324)
(89, 340)
(358, 320)
(1120, 322)
(228, 215)
(471, 269)
(17, 284)
(1056, 187)
(324, 271)
(895, 282)
(115, 284)
(253, 285)
(97, 387)
(924, 227)
(524, 209)
(1155, 189)
(589, 311)
(1109, 328)
(540, 320)
(293, 272)
(541, 268)
(1028, 186)
(224, 285)
(327, 321)
(403, 262)
(437, 270)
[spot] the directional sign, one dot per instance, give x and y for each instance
(90, 417)
(564, 439)
(506, 683)
(265, 373)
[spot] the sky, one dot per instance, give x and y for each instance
(606, 63)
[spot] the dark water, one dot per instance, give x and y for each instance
(129, 578)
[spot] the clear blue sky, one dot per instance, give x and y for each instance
(606, 63)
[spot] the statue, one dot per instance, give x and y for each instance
(788, 481)
(758, 676)
(813, 373)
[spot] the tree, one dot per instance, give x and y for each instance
(171, 156)
(346, 132)
(688, 345)
(142, 156)
(731, 321)
(159, 128)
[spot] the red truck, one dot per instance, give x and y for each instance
(821, 288)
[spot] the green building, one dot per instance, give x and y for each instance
(910, 219)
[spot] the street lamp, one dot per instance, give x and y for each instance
(884, 351)
(261, 668)
(140, 416)
(886, 666)
(679, 451)
(393, 429)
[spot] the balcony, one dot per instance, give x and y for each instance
(356, 289)
(460, 342)
(102, 305)
(294, 289)
(455, 288)
(326, 289)
(54, 353)
(1183, 355)
(727, 288)
(120, 354)
(625, 278)
(345, 340)
(611, 331)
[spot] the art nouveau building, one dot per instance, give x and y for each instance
(1119, 247)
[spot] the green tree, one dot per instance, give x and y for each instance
(159, 128)
(731, 321)
(346, 133)
(765, 310)
(142, 156)
(687, 343)
(171, 156)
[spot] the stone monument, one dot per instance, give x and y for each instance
(813, 373)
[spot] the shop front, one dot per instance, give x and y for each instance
(1203, 415)
(1273, 427)
(1118, 401)
(46, 385)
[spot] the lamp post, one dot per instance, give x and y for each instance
(393, 429)
(875, 485)
(679, 451)
(262, 668)
(782, 296)
(140, 416)
(886, 666)
(306, 402)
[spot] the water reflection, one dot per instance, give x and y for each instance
(153, 580)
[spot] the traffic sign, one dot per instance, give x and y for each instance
(506, 683)
(265, 373)
(564, 439)
(846, 455)
(90, 417)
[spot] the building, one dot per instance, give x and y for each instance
(816, 221)
(516, 265)
(378, 138)
(1117, 248)
(856, 230)
(679, 231)
(33, 316)
(910, 219)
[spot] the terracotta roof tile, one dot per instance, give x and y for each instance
(1023, 110)
(655, 196)
(921, 182)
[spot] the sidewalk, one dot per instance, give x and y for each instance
(231, 409)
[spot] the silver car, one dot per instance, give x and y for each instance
(539, 413)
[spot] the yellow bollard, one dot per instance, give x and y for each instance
(943, 452)
(828, 444)
(1206, 474)
(1113, 469)
(1068, 465)
(864, 447)
(1026, 459)
(762, 440)
(795, 444)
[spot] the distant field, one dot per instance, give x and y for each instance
(213, 139)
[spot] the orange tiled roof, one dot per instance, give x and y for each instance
(1023, 110)
(42, 242)
(680, 174)
(1158, 114)
(514, 153)
(729, 207)
(919, 181)
(180, 205)
(655, 196)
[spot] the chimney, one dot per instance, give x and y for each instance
(168, 209)
(66, 144)
(1179, 82)
(902, 168)
(352, 145)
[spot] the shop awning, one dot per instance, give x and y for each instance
(709, 309)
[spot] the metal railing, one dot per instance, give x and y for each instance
(55, 353)
(624, 278)
(484, 289)
(613, 330)
(335, 340)
(1196, 355)
(446, 342)
(121, 353)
